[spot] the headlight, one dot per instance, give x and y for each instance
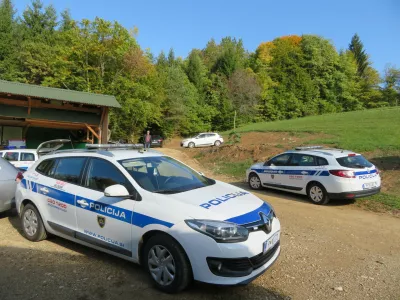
(222, 232)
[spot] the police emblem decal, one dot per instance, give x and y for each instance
(101, 221)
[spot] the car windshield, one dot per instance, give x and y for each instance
(356, 161)
(164, 175)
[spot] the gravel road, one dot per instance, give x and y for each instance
(328, 252)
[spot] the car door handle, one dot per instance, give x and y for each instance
(44, 190)
(83, 203)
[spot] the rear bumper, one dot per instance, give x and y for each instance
(354, 195)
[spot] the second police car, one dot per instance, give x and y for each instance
(150, 209)
(320, 173)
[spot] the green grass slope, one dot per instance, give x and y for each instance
(364, 130)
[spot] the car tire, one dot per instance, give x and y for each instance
(255, 182)
(32, 224)
(317, 193)
(157, 251)
(191, 145)
(217, 143)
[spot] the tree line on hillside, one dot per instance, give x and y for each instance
(289, 77)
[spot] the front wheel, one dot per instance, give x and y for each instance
(167, 264)
(191, 145)
(317, 194)
(32, 224)
(255, 182)
(217, 143)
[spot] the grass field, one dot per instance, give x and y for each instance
(365, 130)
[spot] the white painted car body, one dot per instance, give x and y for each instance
(338, 171)
(203, 140)
(74, 212)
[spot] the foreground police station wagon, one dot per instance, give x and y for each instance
(150, 209)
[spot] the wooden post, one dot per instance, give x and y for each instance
(104, 126)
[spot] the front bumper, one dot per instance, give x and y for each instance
(200, 248)
(354, 195)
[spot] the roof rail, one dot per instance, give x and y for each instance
(309, 147)
(113, 146)
(102, 152)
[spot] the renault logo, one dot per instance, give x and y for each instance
(101, 221)
(267, 220)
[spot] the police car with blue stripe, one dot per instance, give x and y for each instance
(150, 209)
(320, 173)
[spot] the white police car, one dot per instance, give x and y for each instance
(151, 209)
(24, 158)
(322, 174)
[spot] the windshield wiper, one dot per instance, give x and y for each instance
(166, 191)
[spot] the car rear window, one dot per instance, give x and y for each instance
(356, 162)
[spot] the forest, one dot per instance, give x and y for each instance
(210, 89)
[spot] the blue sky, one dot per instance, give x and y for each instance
(184, 25)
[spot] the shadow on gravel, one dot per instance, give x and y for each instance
(290, 196)
(60, 269)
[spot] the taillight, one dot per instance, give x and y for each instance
(19, 177)
(352, 154)
(343, 173)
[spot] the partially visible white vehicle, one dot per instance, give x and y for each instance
(321, 174)
(24, 158)
(8, 184)
(203, 140)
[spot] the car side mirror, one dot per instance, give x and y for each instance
(117, 190)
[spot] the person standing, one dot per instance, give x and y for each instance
(147, 140)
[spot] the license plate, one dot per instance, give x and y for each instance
(370, 185)
(271, 242)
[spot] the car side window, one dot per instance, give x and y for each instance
(69, 169)
(11, 156)
(101, 174)
(201, 136)
(322, 161)
(302, 160)
(44, 166)
(280, 160)
(27, 156)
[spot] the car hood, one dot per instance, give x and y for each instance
(221, 201)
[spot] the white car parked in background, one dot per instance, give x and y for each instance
(24, 158)
(150, 209)
(322, 174)
(203, 140)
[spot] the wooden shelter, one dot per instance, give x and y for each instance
(25, 107)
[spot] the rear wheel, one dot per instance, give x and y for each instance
(255, 182)
(191, 145)
(317, 193)
(217, 143)
(32, 224)
(167, 264)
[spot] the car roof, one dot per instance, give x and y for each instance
(119, 154)
(18, 150)
(332, 152)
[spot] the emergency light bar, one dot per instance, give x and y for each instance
(114, 146)
(309, 147)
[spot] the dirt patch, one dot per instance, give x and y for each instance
(257, 146)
